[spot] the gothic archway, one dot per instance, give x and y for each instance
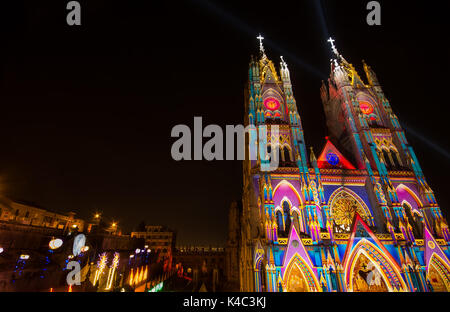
(438, 274)
(299, 277)
(369, 270)
(343, 205)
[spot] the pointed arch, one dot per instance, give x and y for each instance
(415, 218)
(438, 273)
(271, 92)
(299, 276)
(287, 153)
(413, 211)
(387, 157)
(284, 182)
(382, 262)
(285, 199)
(410, 192)
(365, 212)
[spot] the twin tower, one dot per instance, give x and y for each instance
(360, 216)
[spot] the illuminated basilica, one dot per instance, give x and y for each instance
(359, 217)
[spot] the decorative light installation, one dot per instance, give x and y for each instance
(136, 277)
(55, 243)
(141, 275)
(130, 282)
(138, 250)
(78, 242)
(157, 288)
(145, 273)
(24, 257)
(112, 270)
(366, 108)
(271, 104)
(332, 158)
(100, 267)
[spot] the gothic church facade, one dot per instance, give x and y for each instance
(359, 217)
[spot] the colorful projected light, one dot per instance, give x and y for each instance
(332, 158)
(157, 288)
(55, 243)
(366, 108)
(112, 270)
(101, 264)
(271, 104)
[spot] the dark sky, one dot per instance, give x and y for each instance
(86, 112)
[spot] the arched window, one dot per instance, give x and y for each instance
(414, 220)
(343, 207)
(287, 217)
(263, 277)
(387, 159)
(287, 154)
(280, 151)
(296, 221)
(396, 158)
(280, 223)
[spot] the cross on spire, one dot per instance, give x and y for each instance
(261, 47)
(333, 47)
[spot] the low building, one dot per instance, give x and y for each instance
(158, 238)
(30, 214)
(205, 265)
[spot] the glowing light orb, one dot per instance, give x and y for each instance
(271, 104)
(55, 243)
(78, 242)
(366, 108)
(332, 158)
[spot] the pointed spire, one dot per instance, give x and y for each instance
(283, 64)
(370, 74)
(312, 157)
(261, 46)
(335, 51)
(333, 47)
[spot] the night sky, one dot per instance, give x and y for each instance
(87, 112)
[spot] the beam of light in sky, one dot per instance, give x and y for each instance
(321, 17)
(425, 140)
(242, 26)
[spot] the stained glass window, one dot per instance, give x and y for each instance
(343, 211)
(271, 103)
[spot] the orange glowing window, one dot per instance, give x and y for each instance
(366, 108)
(271, 104)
